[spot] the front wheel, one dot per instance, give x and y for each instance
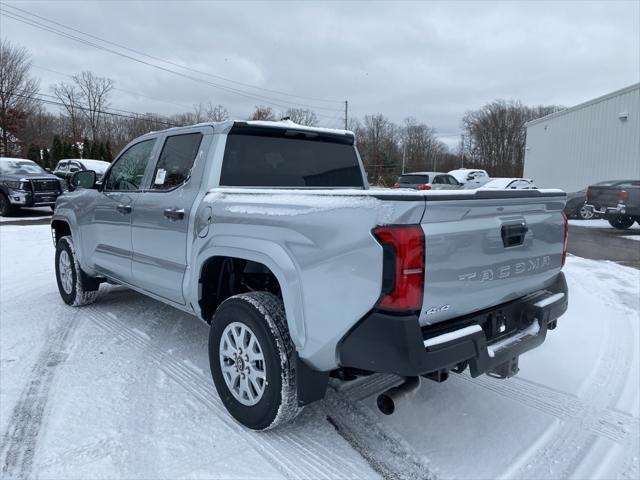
(6, 208)
(621, 222)
(252, 360)
(76, 287)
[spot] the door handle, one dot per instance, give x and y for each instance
(124, 209)
(174, 214)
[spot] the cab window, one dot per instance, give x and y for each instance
(175, 162)
(127, 171)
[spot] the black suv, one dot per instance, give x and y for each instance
(24, 183)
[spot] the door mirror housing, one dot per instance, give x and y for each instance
(83, 179)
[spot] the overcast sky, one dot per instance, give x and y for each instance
(433, 61)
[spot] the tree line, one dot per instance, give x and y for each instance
(493, 136)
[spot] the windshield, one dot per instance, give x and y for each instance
(20, 167)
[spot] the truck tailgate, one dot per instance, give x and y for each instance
(488, 248)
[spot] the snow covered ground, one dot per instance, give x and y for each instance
(598, 223)
(121, 389)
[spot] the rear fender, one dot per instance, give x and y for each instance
(274, 257)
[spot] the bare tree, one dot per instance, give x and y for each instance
(378, 144)
(496, 135)
(70, 96)
(17, 93)
(216, 113)
(421, 148)
(94, 93)
(262, 113)
(301, 116)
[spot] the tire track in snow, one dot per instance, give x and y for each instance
(608, 423)
(571, 442)
(583, 419)
(21, 436)
(316, 460)
(387, 453)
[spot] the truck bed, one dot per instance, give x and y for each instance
(327, 234)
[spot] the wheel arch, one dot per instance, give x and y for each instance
(275, 262)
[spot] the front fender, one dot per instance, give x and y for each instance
(274, 257)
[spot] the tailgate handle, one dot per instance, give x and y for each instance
(513, 234)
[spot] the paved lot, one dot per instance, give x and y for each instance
(605, 243)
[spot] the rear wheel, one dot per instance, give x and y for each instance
(621, 222)
(6, 208)
(585, 213)
(76, 287)
(252, 360)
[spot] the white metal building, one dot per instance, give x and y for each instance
(591, 142)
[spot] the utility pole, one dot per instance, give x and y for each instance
(346, 114)
(404, 156)
(462, 150)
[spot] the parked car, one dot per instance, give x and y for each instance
(616, 200)
(470, 177)
(269, 232)
(509, 184)
(427, 181)
(576, 206)
(68, 166)
(24, 183)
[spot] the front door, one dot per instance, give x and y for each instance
(110, 232)
(160, 221)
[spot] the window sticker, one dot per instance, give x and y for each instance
(160, 174)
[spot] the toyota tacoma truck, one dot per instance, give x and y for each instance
(269, 232)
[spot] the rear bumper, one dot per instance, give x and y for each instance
(620, 209)
(488, 339)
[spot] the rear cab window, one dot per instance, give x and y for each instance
(414, 179)
(278, 157)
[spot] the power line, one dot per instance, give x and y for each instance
(138, 115)
(263, 98)
(187, 107)
(134, 116)
(170, 62)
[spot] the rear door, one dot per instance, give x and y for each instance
(161, 219)
(488, 248)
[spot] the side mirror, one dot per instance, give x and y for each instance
(48, 170)
(83, 179)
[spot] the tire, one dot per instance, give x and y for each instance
(6, 208)
(583, 213)
(76, 287)
(256, 404)
(621, 222)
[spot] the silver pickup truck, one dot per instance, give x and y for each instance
(269, 232)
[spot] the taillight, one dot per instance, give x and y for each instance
(403, 269)
(565, 239)
(424, 187)
(623, 196)
(396, 185)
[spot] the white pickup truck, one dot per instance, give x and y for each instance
(269, 232)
